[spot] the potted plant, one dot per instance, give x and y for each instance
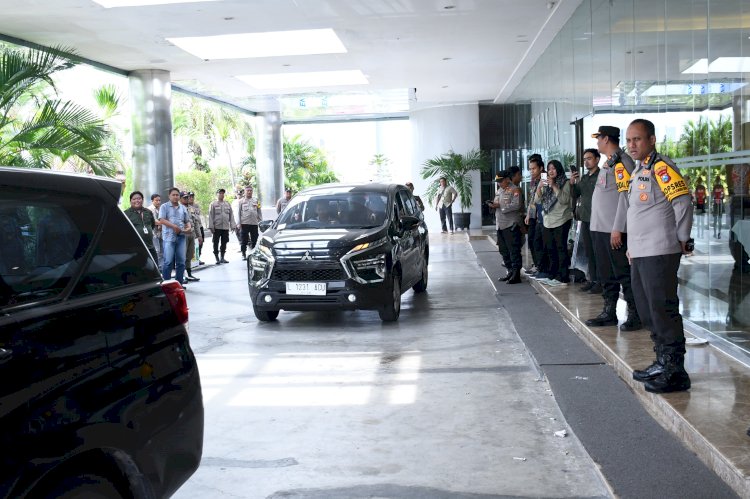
(457, 169)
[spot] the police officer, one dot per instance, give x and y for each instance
(220, 222)
(190, 236)
(249, 216)
(199, 215)
(509, 211)
(659, 218)
(608, 222)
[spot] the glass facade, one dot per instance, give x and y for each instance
(685, 65)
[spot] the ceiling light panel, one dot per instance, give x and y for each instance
(313, 79)
(109, 4)
(268, 44)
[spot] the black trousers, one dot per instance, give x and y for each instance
(220, 235)
(509, 243)
(613, 268)
(588, 248)
(655, 285)
(252, 231)
(537, 246)
(556, 244)
(446, 212)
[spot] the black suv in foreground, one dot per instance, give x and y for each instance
(341, 247)
(100, 394)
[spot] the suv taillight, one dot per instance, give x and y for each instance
(176, 296)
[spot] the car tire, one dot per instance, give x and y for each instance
(266, 315)
(84, 486)
(392, 309)
(421, 285)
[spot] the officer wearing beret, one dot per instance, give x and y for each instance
(659, 218)
(509, 213)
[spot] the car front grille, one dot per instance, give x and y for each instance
(316, 274)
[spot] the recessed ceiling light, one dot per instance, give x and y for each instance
(447, 58)
(444, 86)
(301, 80)
(449, 7)
(108, 4)
(699, 67)
(521, 36)
(730, 65)
(268, 44)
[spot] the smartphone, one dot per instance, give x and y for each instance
(573, 169)
(544, 176)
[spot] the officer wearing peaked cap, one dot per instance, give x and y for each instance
(608, 230)
(509, 212)
(659, 218)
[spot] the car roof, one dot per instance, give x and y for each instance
(351, 187)
(107, 189)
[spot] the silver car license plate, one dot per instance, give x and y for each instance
(306, 288)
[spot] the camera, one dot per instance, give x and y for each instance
(690, 245)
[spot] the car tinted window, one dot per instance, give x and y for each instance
(344, 209)
(408, 201)
(120, 258)
(44, 237)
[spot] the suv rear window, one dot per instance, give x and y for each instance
(43, 238)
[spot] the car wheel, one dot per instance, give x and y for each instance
(266, 315)
(84, 486)
(392, 309)
(421, 286)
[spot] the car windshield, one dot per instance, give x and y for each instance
(346, 210)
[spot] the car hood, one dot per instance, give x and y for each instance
(294, 238)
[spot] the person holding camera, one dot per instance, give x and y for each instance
(608, 230)
(659, 218)
(509, 210)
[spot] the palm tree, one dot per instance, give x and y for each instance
(305, 164)
(456, 168)
(36, 131)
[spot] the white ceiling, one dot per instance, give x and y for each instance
(476, 51)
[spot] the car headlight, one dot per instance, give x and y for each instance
(374, 264)
(261, 263)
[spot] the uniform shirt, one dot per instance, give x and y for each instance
(143, 221)
(608, 204)
(220, 216)
(195, 220)
(446, 195)
(282, 203)
(659, 209)
(584, 190)
(510, 210)
(249, 211)
(178, 215)
(155, 212)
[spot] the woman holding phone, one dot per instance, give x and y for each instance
(554, 194)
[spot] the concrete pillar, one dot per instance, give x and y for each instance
(269, 156)
(151, 98)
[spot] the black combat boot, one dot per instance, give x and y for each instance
(218, 262)
(515, 277)
(634, 321)
(190, 276)
(223, 260)
(596, 289)
(587, 287)
(652, 371)
(608, 317)
(508, 274)
(673, 377)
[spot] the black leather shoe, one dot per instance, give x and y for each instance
(608, 317)
(651, 372)
(587, 287)
(190, 277)
(515, 277)
(507, 276)
(668, 382)
(596, 289)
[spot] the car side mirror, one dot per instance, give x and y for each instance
(264, 225)
(408, 222)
